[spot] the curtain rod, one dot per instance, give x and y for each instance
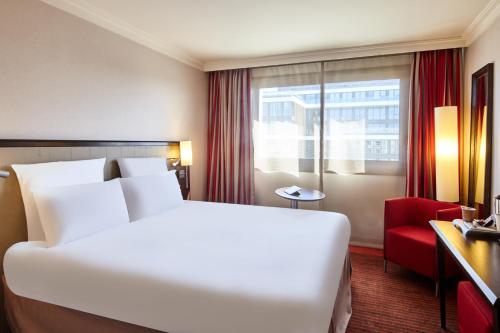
(323, 61)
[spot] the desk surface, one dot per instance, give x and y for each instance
(480, 258)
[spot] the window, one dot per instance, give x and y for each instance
(364, 117)
(287, 136)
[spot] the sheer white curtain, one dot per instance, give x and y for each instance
(339, 117)
(286, 128)
(286, 111)
(365, 114)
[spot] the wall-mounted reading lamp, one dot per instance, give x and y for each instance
(187, 159)
(4, 174)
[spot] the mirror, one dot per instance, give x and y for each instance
(479, 192)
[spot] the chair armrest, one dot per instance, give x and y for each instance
(435, 205)
(398, 212)
(449, 214)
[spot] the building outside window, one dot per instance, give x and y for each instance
(375, 102)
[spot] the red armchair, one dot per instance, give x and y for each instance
(409, 240)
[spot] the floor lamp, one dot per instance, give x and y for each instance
(446, 140)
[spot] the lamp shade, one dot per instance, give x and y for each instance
(446, 140)
(4, 174)
(186, 153)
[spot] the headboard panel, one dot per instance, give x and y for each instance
(12, 217)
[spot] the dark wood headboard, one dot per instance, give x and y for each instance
(6, 143)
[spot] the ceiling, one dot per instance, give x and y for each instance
(209, 33)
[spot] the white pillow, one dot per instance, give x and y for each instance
(133, 167)
(51, 175)
(71, 212)
(151, 195)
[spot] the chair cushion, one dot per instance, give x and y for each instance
(474, 314)
(412, 247)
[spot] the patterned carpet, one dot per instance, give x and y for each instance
(396, 301)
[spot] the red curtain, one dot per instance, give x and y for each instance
(436, 81)
(230, 149)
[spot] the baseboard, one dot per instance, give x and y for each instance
(366, 243)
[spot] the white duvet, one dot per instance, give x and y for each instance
(199, 268)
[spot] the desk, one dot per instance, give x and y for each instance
(480, 259)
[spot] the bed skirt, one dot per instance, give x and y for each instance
(343, 303)
(25, 315)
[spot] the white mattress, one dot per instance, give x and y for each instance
(201, 267)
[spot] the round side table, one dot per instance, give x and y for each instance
(305, 194)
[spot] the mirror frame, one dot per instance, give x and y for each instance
(486, 70)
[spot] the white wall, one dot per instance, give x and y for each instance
(64, 78)
(484, 50)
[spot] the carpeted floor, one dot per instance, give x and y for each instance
(396, 301)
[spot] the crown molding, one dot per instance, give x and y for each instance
(482, 21)
(336, 54)
(108, 22)
(89, 13)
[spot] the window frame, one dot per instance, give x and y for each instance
(372, 167)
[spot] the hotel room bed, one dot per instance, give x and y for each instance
(200, 267)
